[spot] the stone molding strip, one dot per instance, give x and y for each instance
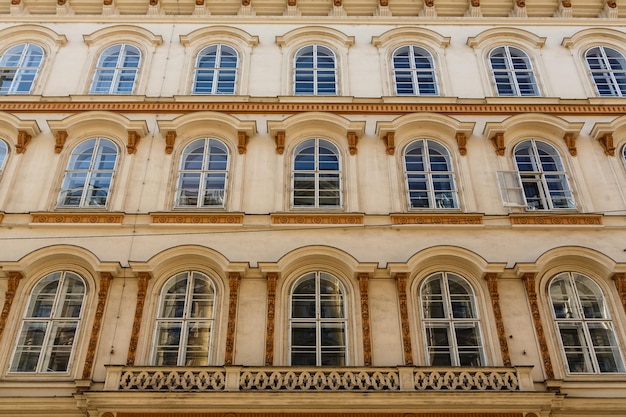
(321, 414)
(282, 108)
(105, 283)
(437, 219)
(77, 218)
(556, 219)
(317, 219)
(194, 218)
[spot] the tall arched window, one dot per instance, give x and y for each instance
(428, 175)
(184, 324)
(414, 71)
(4, 153)
(450, 322)
(512, 72)
(203, 174)
(116, 70)
(316, 175)
(19, 66)
(608, 70)
(584, 326)
(317, 323)
(216, 70)
(48, 332)
(315, 71)
(89, 174)
(543, 177)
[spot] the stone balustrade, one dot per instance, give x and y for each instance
(358, 379)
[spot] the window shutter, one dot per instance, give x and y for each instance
(511, 191)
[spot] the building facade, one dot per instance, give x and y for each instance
(312, 208)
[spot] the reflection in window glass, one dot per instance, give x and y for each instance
(216, 70)
(184, 322)
(414, 71)
(4, 153)
(450, 322)
(316, 175)
(543, 177)
(89, 174)
(49, 329)
(317, 322)
(512, 72)
(116, 70)
(428, 176)
(584, 325)
(203, 174)
(315, 71)
(19, 66)
(608, 71)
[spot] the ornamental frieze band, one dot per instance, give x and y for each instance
(77, 218)
(191, 218)
(437, 219)
(317, 219)
(557, 220)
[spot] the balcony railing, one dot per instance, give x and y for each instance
(358, 379)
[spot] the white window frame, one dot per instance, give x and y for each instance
(511, 189)
(415, 72)
(4, 155)
(513, 73)
(91, 175)
(316, 172)
(315, 71)
(318, 322)
(606, 71)
(25, 67)
(218, 71)
(449, 321)
(572, 316)
(51, 321)
(437, 199)
(186, 320)
(546, 198)
(206, 171)
(121, 69)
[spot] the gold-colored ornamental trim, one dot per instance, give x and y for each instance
(281, 414)
(192, 218)
(317, 219)
(105, 283)
(557, 219)
(77, 218)
(281, 108)
(437, 219)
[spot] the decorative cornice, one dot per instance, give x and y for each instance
(404, 318)
(492, 283)
(77, 218)
(317, 219)
(318, 414)
(233, 286)
(437, 219)
(557, 219)
(529, 284)
(290, 108)
(272, 279)
(9, 296)
(142, 288)
(105, 282)
(365, 318)
(196, 218)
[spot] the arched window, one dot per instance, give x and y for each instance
(543, 177)
(512, 72)
(116, 70)
(428, 175)
(316, 174)
(317, 324)
(414, 71)
(89, 174)
(584, 325)
(203, 174)
(184, 324)
(450, 322)
(216, 70)
(608, 70)
(4, 153)
(315, 71)
(19, 66)
(48, 332)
